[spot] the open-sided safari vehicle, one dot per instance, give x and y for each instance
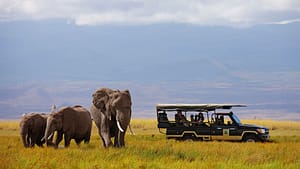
(205, 122)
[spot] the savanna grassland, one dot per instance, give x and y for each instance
(150, 149)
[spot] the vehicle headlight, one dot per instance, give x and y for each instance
(261, 131)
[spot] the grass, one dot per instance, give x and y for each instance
(150, 149)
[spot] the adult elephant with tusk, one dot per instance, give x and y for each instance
(111, 111)
(72, 123)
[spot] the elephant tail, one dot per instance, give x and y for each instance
(131, 131)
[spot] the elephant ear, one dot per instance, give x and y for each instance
(59, 116)
(113, 101)
(127, 91)
(121, 99)
(100, 98)
(128, 95)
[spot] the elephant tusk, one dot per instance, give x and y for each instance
(119, 126)
(50, 136)
(43, 138)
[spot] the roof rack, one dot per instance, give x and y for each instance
(196, 107)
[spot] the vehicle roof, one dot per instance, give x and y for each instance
(196, 107)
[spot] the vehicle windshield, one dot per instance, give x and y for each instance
(236, 119)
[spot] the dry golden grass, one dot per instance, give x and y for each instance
(278, 128)
(150, 149)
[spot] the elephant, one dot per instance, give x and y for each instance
(72, 123)
(111, 111)
(32, 128)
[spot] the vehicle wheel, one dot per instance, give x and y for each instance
(188, 137)
(189, 140)
(250, 138)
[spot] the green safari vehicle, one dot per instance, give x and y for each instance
(206, 122)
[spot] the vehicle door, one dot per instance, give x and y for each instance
(224, 129)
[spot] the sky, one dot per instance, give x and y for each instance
(236, 13)
(191, 51)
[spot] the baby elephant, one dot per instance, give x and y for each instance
(32, 128)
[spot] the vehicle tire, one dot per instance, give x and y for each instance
(250, 138)
(188, 138)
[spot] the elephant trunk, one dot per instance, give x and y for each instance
(48, 134)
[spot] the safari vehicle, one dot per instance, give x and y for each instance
(205, 122)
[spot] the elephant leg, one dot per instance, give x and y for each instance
(58, 139)
(77, 141)
(99, 132)
(116, 142)
(39, 142)
(121, 139)
(32, 141)
(87, 138)
(25, 140)
(103, 141)
(28, 141)
(50, 141)
(67, 140)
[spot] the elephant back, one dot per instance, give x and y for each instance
(77, 119)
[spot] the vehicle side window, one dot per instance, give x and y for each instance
(228, 120)
(162, 117)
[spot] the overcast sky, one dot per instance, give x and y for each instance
(236, 13)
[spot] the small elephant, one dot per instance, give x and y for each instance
(32, 128)
(111, 111)
(72, 123)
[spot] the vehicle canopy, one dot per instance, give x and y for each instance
(196, 107)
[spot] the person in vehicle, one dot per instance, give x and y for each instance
(192, 118)
(200, 118)
(180, 118)
(220, 120)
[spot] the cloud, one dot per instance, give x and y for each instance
(136, 12)
(284, 22)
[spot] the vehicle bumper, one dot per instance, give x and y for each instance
(264, 137)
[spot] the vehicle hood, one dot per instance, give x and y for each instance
(253, 126)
